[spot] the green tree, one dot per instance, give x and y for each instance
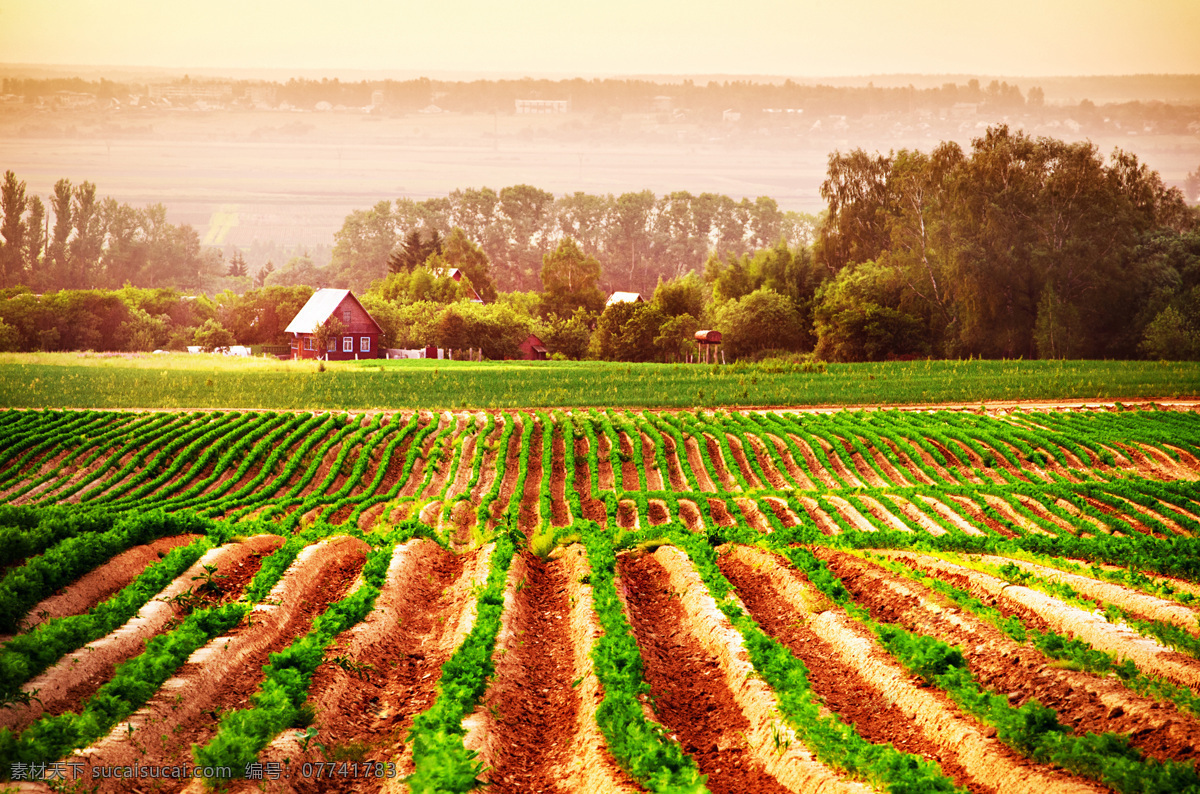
(857, 318)
(417, 247)
(763, 320)
(60, 202)
(237, 266)
(569, 279)
(326, 334)
(460, 252)
(212, 336)
(12, 230)
(363, 245)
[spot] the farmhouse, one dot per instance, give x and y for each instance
(360, 338)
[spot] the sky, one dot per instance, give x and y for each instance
(797, 38)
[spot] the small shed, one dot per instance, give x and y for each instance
(708, 340)
(359, 340)
(532, 349)
(624, 297)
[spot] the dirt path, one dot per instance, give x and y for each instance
(593, 509)
(78, 675)
(687, 687)
(1089, 703)
(102, 582)
(380, 674)
(225, 673)
(760, 583)
(526, 722)
(560, 511)
(704, 688)
(529, 516)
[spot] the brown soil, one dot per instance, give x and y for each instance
(942, 471)
(674, 467)
(782, 511)
(811, 463)
(882, 515)
(447, 465)
(629, 472)
(866, 473)
(1040, 611)
(658, 512)
(687, 683)
(654, 476)
(850, 514)
(394, 469)
(529, 517)
(466, 459)
(378, 444)
(728, 483)
(739, 457)
(29, 473)
(910, 468)
(840, 468)
(968, 508)
(402, 645)
(593, 509)
(104, 581)
(627, 514)
(696, 464)
(531, 705)
(838, 685)
(775, 480)
(512, 469)
(914, 516)
(819, 516)
(183, 711)
(719, 512)
(801, 480)
(754, 516)
(1089, 703)
(889, 469)
(78, 675)
(604, 465)
(487, 467)
(560, 512)
(416, 475)
(690, 515)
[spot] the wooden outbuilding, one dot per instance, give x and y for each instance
(360, 339)
(708, 340)
(532, 349)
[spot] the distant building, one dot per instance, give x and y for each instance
(457, 275)
(532, 349)
(361, 339)
(624, 297)
(543, 106)
(193, 92)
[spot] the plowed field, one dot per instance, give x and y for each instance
(600, 601)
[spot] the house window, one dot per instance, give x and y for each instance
(364, 344)
(331, 345)
(347, 344)
(346, 316)
(308, 343)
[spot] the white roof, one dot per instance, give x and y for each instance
(623, 297)
(316, 311)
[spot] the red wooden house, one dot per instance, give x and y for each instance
(360, 340)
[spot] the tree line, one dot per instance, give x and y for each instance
(1017, 247)
(82, 241)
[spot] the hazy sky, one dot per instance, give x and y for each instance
(561, 37)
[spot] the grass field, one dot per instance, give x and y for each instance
(70, 380)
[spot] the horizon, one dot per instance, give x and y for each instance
(861, 38)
